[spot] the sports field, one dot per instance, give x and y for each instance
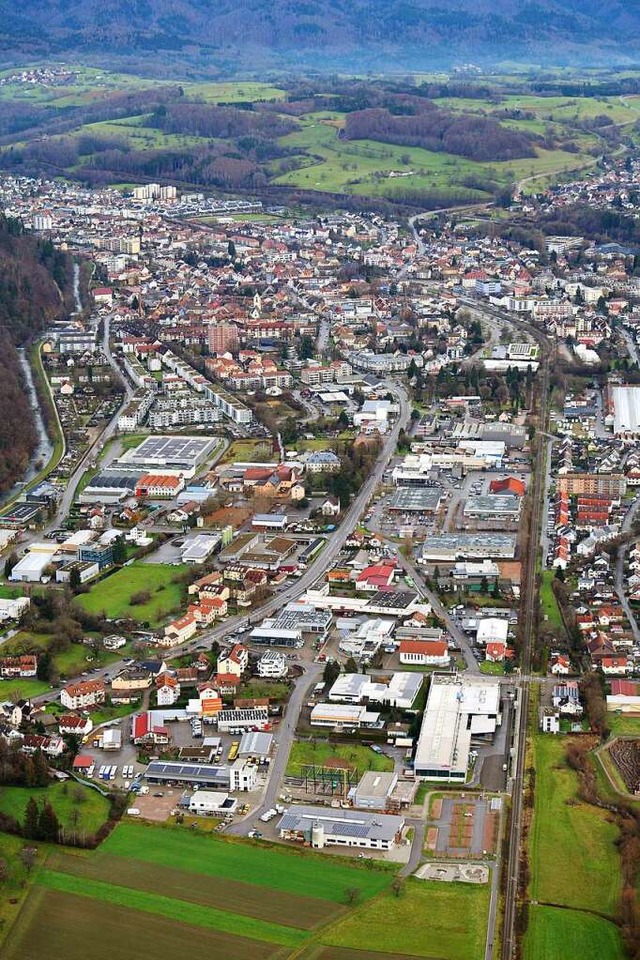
(113, 594)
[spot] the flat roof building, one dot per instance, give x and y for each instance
(467, 546)
(374, 790)
(457, 709)
(346, 828)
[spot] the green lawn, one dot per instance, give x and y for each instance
(567, 831)
(549, 604)
(177, 909)
(429, 919)
(622, 725)
(92, 807)
(248, 450)
(492, 669)
(555, 934)
(113, 594)
(288, 870)
(319, 751)
(22, 688)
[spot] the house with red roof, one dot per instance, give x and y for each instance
(377, 577)
(495, 651)
(425, 653)
(508, 485)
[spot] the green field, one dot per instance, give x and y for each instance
(429, 919)
(22, 688)
(248, 450)
(237, 900)
(112, 595)
(285, 870)
(567, 831)
(549, 604)
(320, 751)
(65, 798)
(555, 934)
(623, 726)
(175, 908)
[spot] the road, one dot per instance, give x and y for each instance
(325, 559)
(627, 523)
(284, 736)
(442, 613)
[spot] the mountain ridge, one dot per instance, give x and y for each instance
(328, 34)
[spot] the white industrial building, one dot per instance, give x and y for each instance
(199, 548)
(344, 716)
(458, 709)
(492, 630)
(400, 691)
(341, 828)
(31, 567)
(626, 411)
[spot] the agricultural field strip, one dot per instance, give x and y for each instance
(554, 934)
(231, 895)
(61, 926)
(291, 872)
(567, 831)
(178, 909)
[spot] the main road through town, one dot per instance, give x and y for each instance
(335, 542)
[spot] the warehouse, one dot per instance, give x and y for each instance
(458, 708)
(31, 567)
(400, 691)
(202, 775)
(255, 719)
(467, 546)
(255, 744)
(304, 618)
(110, 486)
(199, 548)
(320, 828)
(374, 790)
(626, 411)
(416, 500)
(495, 506)
(171, 454)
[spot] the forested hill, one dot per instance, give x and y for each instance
(232, 35)
(33, 279)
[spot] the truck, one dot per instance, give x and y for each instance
(269, 815)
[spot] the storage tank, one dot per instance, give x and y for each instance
(317, 836)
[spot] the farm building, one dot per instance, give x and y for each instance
(320, 827)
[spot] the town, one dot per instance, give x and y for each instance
(337, 530)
